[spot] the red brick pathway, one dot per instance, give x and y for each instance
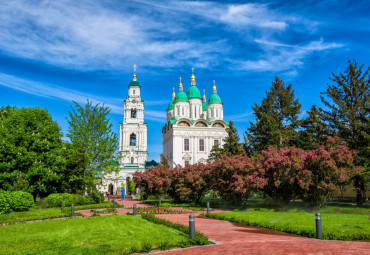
(237, 239)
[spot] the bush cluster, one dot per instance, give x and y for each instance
(15, 201)
(281, 174)
(55, 200)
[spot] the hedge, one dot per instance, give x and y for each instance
(55, 200)
(15, 201)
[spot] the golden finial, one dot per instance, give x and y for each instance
(204, 95)
(134, 76)
(180, 85)
(173, 93)
(214, 86)
(192, 78)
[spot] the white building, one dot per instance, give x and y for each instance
(132, 141)
(193, 126)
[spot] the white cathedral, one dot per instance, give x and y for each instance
(133, 152)
(193, 126)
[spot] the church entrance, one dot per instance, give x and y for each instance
(110, 189)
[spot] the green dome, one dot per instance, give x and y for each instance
(134, 83)
(170, 105)
(204, 106)
(214, 98)
(181, 96)
(193, 92)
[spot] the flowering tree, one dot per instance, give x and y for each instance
(236, 177)
(189, 183)
(323, 169)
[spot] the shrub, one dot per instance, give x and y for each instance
(21, 201)
(55, 200)
(4, 202)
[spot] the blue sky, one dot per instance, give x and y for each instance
(53, 52)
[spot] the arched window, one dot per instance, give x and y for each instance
(133, 113)
(132, 160)
(132, 139)
(183, 113)
(133, 92)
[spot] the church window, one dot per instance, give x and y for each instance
(216, 113)
(216, 142)
(133, 92)
(187, 162)
(201, 145)
(183, 111)
(132, 139)
(186, 144)
(133, 113)
(132, 160)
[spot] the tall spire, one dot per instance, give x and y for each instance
(134, 77)
(180, 85)
(173, 93)
(214, 89)
(192, 78)
(204, 96)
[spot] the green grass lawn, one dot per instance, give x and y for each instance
(40, 214)
(335, 226)
(92, 235)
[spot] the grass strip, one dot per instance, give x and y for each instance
(199, 238)
(115, 234)
(48, 213)
(334, 226)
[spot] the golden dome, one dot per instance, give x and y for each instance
(214, 86)
(180, 85)
(204, 95)
(192, 78)
(173, 93)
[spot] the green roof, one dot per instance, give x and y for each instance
(170, 105)
(181, 96)
(193, 92)
(134, 83)
(204, 106)
(173, 121)
(214, 98)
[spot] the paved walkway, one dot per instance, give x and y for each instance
(237, 239)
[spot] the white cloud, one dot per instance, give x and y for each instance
(59, 93)
(242, 117)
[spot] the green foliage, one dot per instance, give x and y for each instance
(230, 147)
(31, 151)
(132, 187)
(55, 200)
(21, 201)
(90, 132)
(347, 111)
(314, 132)
(164, 161)
(276, 119)
(4, 202)
(335, 226)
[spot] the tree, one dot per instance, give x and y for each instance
(230, 147)
(90, 132)
(31, 151)
(314, 131)
(347, 112)
(276, 119)
(164, 161)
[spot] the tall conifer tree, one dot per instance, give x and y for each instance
(314, 132)
(347, 111)
(276, 119)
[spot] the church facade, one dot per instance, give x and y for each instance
(193, 125)
(133, 152)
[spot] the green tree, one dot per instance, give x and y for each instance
(164, 161)
(276, 119)
(31, 151)
(230, 147)
(314, 131)
(90, 132)
(347, 112)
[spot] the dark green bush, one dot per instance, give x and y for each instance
(21, 201)
(55, 200)
(4, 202)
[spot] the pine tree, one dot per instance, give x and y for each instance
(276, 119)
(230, 147)
(164, 162)
(347, 111)
(314, 132)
